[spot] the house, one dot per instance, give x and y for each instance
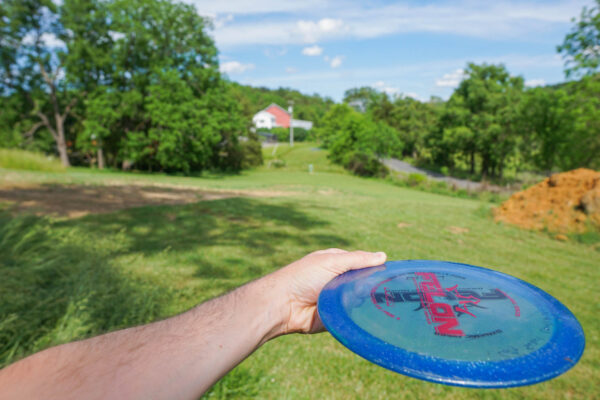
(276, 116)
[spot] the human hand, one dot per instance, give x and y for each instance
(303, 280)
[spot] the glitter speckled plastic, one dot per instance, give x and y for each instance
(452, 323)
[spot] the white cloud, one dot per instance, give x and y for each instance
(291, 70)
(212, 7)
(312, 31)
(312, 51)
(413, 95)
(535, 82)
(235, 67)
(220, 22)
(381, 85)
(336, 61)
(452, 79)
(275, 52)
(502, 19)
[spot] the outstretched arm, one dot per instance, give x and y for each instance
(181, 357)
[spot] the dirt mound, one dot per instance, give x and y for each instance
(566, 202)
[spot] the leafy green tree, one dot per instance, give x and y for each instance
(481, 120)
(363, 98)
(546, 125)
(581, 47)
(32, 66)
(356, 141)
(412, 119)
(583, 147)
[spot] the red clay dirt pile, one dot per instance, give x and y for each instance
(568, 202)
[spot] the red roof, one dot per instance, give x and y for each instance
(282, 117)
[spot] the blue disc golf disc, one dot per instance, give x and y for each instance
(452, 323)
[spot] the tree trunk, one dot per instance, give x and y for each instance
(60, 142)
(100, 157)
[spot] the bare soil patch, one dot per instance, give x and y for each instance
(457, 230)
(563, 203)
(77, 200)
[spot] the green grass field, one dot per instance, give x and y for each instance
(63, 279)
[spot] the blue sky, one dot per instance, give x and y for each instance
(413, 48)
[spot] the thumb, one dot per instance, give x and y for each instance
(340, 263)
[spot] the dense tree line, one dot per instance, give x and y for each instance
(118, 83)
(490, 122)
(136, 83)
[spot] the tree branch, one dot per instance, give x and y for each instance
(33, 129)
(47, 123)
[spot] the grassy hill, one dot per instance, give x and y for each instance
(67, 278)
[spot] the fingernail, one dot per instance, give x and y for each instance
(380, 254)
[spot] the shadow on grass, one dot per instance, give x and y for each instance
(60, 281)
(253, 224)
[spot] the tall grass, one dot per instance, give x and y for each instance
(57, 286)
(27, 160)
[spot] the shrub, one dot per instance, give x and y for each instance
(251, 154)
(278, 163)
(363, 164)
(415, 179)
(283, 134)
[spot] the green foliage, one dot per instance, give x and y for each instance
(27, 160)
(345, 129)
(177, 138)
(415, 179)
(283, 134)
(412, 119)
(561, 126)
(480, 120)
(251, 152)
(355, 141)
(581, 47)
(142, 76)
(363, 164)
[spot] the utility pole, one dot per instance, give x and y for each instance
(291, 110)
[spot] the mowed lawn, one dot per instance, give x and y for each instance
(65, 278)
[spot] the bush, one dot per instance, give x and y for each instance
(363, 164)
(415, 179)
(27, 160)
(283, 134)
(251, 154)
(278, 163)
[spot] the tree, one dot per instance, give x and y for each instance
(581, 47)
(413, 120)
(356, 141)
(546, 124)
(480, 119)
(583, 147)
(362, 98)
(32, 66)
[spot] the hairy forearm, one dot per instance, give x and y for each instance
(179, 357)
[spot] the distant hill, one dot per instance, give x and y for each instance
(306, 107)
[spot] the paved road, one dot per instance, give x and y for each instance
(401, 166)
